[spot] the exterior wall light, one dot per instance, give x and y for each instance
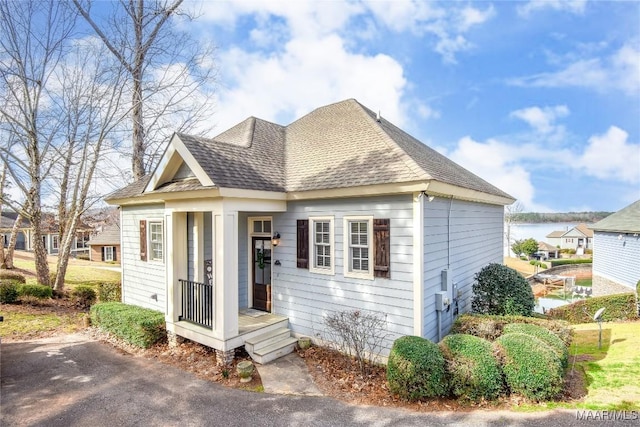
(275, 240)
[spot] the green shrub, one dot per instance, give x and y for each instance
(490, 327)
(473, 372)
(415, 369)
(84, 296)
(109, 291)
(617, 307)
(543, 334)
(8, 291)
(35, 291)
(530, 367)
(17, 278)
(138, 326)
(557, 262)
(498, 289)
(638, 297)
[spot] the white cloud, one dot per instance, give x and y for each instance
(573, 6)
(543, 119)
(283, 86)
(620, 71)
(611, 156)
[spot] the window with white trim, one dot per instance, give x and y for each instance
(322, 247)
(55, 243)
(156, 246)
(108, 253)
(358, 252)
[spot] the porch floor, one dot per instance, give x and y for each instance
(251, 320)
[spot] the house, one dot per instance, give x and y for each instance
(546, 251)
(268, 227)
(23, 237)
(105, 245)
(579, 238)
(616, 252)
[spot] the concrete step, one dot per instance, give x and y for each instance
(254, 344)
(277, 349)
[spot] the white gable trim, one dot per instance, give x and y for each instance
(174, 155)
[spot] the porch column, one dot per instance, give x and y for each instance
(176, 255)
(225, 238)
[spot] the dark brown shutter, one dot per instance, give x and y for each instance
(102, 253)
(143, 240)
(303, 243)
(382, 248)
(115, 255)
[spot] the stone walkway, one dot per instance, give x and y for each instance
(287, 375)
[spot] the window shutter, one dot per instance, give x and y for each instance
(102, 253)
(382, 248)
(143, 240)
(115, 256)
(303, 243)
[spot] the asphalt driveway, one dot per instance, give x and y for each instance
(73, 381)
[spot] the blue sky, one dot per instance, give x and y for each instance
(540, 98)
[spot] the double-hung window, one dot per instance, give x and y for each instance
(322, 245)
(156, 246)
(358, 251)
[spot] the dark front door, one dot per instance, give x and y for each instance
(261, 273)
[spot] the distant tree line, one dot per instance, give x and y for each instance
(544, 217)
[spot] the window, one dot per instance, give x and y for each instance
(358, 247)
(261, 226)
(108, 253)
(54, 244)
(321, 244)
(155, 241)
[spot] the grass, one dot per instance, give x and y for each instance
(25, 325)
(612, 373)
(584, 282)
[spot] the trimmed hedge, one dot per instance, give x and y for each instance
(557, 262)
(543, 334)
(617, 307)
(416, 369)
(473, 372)
(8, 291)
(138, 326)
(110, 291)
(491, 327)
(498, 289)
(84, 296)
(530, 367)
(35, 291)
(12, 276)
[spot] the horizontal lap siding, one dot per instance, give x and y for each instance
(475, 235)
(142, 279)
(305, 298)
(617, 259)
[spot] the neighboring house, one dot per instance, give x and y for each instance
(105, 245)
(50, 235)
(579, 238)
(339, 210)
(546, 251)
(616, 252)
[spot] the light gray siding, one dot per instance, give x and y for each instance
(463, 237)
(306, 297)
(617, 258)
(142, 279)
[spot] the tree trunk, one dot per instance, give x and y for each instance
(39, 251)
(8, 258)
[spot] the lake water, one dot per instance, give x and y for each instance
(536, 231)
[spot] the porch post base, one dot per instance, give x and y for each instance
(224, 358)
(174, 340)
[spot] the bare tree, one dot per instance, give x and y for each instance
(32, 36)
(510, 215)
(3, 180)
(165, 69)
(7, 262)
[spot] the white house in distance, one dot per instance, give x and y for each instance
(260, 232)
(579, 238)
(616, 252)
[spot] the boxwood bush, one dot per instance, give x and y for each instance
(617, 307)
(542, 334)
(473, 373)
(138, 326)
(530, 367)
(416, 369)
(557, 262)
(8, 291)
(109, 291)
(84, 296)
(498, 289)
(490, 327)
(35, 291)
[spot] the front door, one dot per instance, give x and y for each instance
(261, 273)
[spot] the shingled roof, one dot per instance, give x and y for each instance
(626, 220)
(110, 235)
(336, 146)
